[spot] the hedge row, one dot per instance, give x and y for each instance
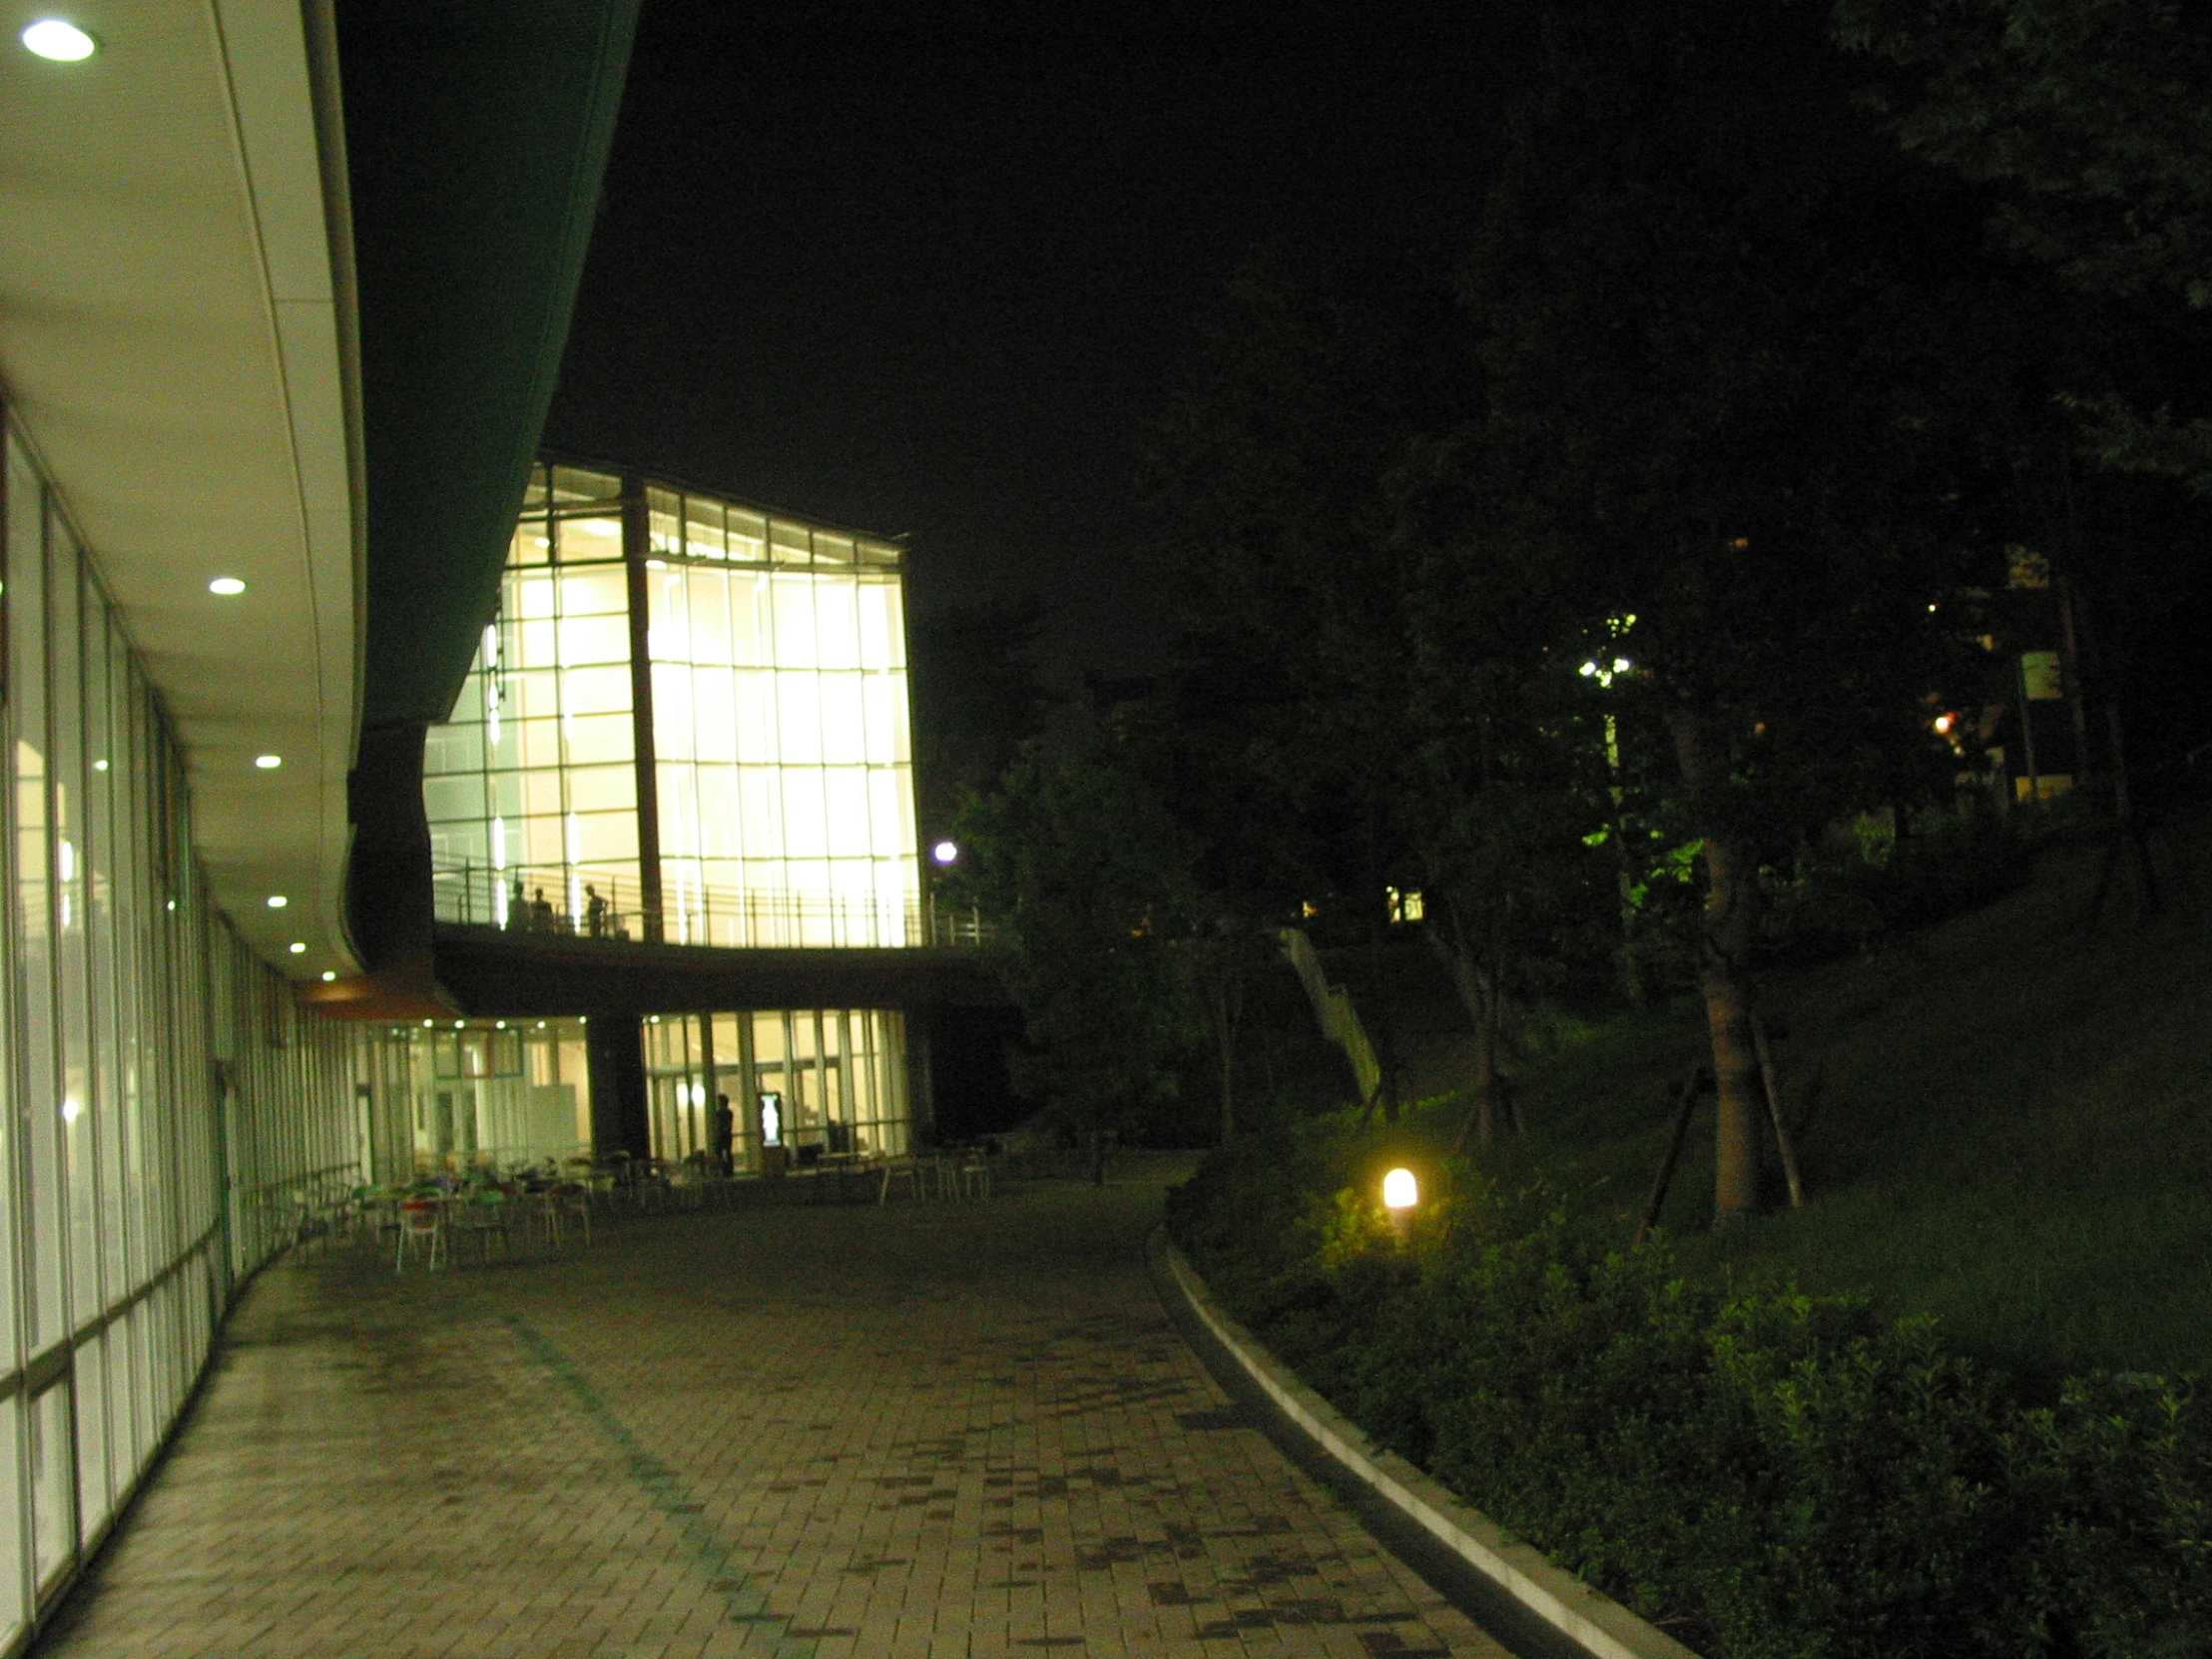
(1762, 1474)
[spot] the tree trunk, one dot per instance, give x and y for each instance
(1478, 995)
(1731, 924)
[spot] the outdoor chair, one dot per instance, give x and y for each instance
(570, 1202)
(421, 1231)
(485, 1213)
(975, 1175)
(897, 1169)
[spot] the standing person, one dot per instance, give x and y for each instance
(595, 912)
(725, 1134)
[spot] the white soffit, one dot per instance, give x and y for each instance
(171, 341)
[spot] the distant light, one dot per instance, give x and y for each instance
(428, 1023)
(276, 902)
(1399, 1190)
(298, 948)
(173, 904)
(1942, 722)
(50, 37)
(72, 1110)
(460, 1026)
(329, 975)
(268, 763)
(1620, 664)
(226, 586)
(946, 853)
(1587, 670)
(100, 766)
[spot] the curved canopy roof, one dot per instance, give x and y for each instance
(180, 342)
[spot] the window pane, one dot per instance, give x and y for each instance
(597, 740)
(747, 535)
(572, 484)
(587, 540)
(710, 617)
(703, 528)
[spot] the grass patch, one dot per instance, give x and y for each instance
(2005, 1123)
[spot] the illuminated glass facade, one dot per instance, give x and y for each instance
(688, 723)
(166, 1106)
(833, 1079)
(457, 1094)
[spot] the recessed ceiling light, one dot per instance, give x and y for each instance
(100, 766)
(276, 902)
(329, 975)
(298, 948)
(50, 37)
(225, 585)
(268, 763)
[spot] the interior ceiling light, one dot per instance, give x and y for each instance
(276, 902)
(226, 586)
(329, 975)
(50, 37)
(268, 763)
(298, 948)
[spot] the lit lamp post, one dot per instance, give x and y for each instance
(1400, 1192)
(944, 855)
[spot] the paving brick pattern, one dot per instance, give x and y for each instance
(806, 1432)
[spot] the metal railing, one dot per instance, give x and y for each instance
(569, 903)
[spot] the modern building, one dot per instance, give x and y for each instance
(686, 726)
(348, 824)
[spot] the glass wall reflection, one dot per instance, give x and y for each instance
(460, 1094)
(170, 1109)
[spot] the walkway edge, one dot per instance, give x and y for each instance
(1589, 1620)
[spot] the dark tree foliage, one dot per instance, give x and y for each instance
(2092, 120)
(1086, 875)
(977, 699)
(1720, 357)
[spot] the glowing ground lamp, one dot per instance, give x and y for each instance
(1400, 1192)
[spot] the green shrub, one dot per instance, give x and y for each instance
(1762, 1472)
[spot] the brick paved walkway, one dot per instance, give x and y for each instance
(803, 1432)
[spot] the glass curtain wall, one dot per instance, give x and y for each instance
(816, 1081)
(460, 1094)
(780, 728)
(167, 1105)
(531, 787)
(781, 809)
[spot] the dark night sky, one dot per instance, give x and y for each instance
(934, 275)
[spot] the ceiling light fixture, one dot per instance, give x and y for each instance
(50, 37)
(268, 763)
(226, 586)
(276, 902)
(298, 948)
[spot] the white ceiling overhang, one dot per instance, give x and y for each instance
(177, 341)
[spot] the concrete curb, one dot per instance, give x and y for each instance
(1588, 1621)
